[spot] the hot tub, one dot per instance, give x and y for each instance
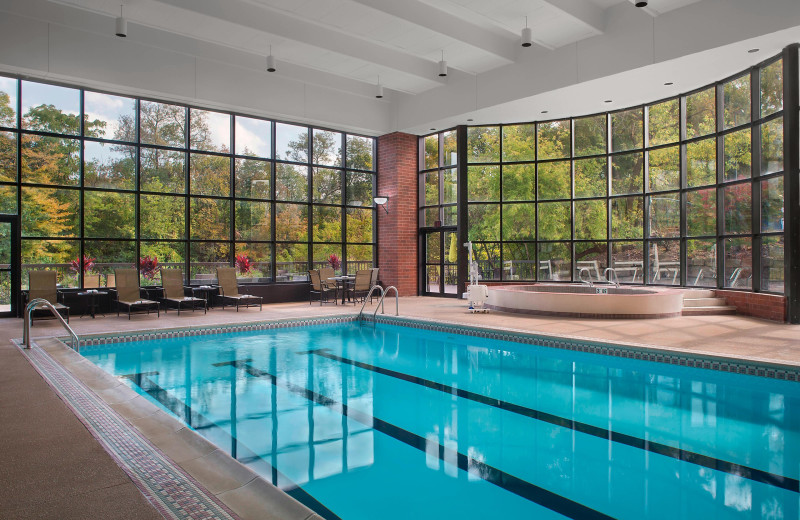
(599, 301)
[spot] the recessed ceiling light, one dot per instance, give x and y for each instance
(544, 111)
(751, 51)
(641, 3)
(470, 120)
(668, 83)
(608, 101)
(433, 129)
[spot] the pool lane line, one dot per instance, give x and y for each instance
(754, 474)
(498, 477)
(161, 395)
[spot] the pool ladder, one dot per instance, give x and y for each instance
(26, 327)
(380, 302)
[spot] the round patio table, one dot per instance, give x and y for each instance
(340, 283)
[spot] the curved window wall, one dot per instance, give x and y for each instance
(120, 181)
(685, 191)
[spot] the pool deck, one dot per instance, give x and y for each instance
(52, 466)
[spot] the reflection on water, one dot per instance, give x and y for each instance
(470, 427)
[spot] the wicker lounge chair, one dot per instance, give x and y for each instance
(42, 284)
(128, 292)
(229, 290)
(172, 282)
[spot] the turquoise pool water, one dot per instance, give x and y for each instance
(398, 423)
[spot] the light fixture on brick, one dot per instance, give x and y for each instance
(383, 201)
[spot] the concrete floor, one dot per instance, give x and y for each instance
(51, 467)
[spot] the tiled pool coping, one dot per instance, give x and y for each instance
(174, 451)
(639, 351)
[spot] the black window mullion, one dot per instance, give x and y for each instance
(187, 190)
(81, 197)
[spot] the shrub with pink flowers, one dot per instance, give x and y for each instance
(85, 264)
(243, 264)
(148, 266)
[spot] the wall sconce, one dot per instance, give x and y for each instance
(381, 200)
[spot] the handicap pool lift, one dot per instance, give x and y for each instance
(476, 294)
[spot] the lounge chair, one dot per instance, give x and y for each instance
(318, 287)
(360, 287)
(42, 284)
(229, 290)
(172, 282)
(128, 292)
(111, 280)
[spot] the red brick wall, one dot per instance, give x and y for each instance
(397, 231)
(768, 306)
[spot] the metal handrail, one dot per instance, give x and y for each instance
(580, 276)
(611, 279)
(369, 294)
(26, 327)
(396, 302)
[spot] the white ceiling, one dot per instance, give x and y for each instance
(402, 41)
(330, 53)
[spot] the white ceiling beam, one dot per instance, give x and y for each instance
(442, 22)
(291, 28)
(584, 11)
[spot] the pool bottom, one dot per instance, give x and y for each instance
(628, 351)
(183, 475)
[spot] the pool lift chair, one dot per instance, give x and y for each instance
(476, 294)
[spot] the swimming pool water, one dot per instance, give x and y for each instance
(397, 423)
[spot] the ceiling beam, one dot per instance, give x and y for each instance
(291, 28)
(442, 22)
(584, 11)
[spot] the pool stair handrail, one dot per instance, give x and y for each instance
(369, 294)
(613, 278)
(26, 327)
(396, 302)
(585, 281)
(380, 302)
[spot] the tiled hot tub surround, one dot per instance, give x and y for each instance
(644, 352)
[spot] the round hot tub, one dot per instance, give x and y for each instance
(599, 301)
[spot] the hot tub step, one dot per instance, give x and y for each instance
(708, 311)
(704, 302)
(698, 293)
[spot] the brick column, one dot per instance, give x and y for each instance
(397, 231)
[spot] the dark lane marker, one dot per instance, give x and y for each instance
(245, 455)
(731, 468)
(474, 467)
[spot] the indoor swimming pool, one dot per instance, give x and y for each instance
(359, 421)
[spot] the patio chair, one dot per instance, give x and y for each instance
(42, 284)
(111, 280)
(322, 289)
(128, 292)
(172, 282)
(373, 282)
(324, 274)
(91, 281)
(229, 290)
(360, 287)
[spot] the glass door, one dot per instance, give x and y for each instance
(9, 265)
(441, 263)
